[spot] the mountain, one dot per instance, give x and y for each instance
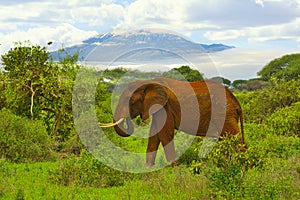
(138, 47)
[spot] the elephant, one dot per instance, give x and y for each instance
(200, 108)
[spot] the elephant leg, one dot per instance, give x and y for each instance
(166, 134)
(167, 140)
(153, 143)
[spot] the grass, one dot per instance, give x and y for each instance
(274, 175)
(279, 180)
(33, 181)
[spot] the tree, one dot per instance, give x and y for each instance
(285, 68)
(238, 84)
(25, 66)
(254, 84)
(40, 89)
(222, 80)
(184, 73)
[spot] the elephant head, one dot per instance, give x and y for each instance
(141, 98)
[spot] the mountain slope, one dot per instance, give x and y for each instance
(136, 47)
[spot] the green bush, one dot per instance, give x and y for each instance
(267, 170)
(226, 166)
(87, 171)
(259, 105)
(285, 121)
(23, 140)
(191, 155)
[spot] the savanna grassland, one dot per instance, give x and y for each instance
(42, 156)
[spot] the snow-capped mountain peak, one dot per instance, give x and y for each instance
(138, 46)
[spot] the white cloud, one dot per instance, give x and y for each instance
(92, 13)
(244, 63)
(287, 31)
(96, 16)
(62, 35)
(64, 22)
(219, 20)
(168, 14)
(260, 2)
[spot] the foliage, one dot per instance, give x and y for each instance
(286, 121)
(252, 85)
(114, 74)
(191, 154)
(238, 84)
(23, 140)
(25, 60)
(87, 171)
(24, 65)
(284, 68)
(234, 174)
(258, 105)
(249, 85)
(66, 57)
(3, 83)
(184, 73)
(36, 88)
(222, 80)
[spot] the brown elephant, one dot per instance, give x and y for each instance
(202, 108)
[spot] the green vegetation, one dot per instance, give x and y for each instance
(184, 73)
(284, 68)
(24, 140)
(41, 156)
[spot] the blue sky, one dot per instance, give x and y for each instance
(269, 27)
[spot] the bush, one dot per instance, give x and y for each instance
(286, 121)
(23, 140)
(87, 171)
(259, 105)
(226, 166)
(269, 169)
(191, 154)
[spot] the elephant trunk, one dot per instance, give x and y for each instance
(122, 131)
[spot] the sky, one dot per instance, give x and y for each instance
(259, 29)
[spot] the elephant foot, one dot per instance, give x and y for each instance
(149, 165)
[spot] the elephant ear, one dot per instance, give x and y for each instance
(155, 98)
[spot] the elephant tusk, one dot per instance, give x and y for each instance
(111, 124)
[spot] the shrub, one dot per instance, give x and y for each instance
(23, 140)
(285, 121)
(258, 105)
(226, 166)
(87, 171)
(191, 155)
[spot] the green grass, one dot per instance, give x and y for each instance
(33, 181)
(275, 174)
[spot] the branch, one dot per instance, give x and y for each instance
(32, 97)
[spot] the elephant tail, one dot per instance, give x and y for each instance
(240, 113)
